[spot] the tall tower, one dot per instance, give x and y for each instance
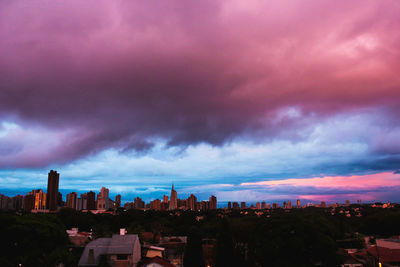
(118, 201)
(72, 200)
(91, 200)
(213, 203)
(173, 203)
(52, 190)
(102, 199)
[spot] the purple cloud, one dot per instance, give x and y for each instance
(96, 74)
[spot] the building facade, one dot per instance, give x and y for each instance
(52, 190)
(173, 203)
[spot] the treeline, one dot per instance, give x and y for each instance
(303, 237)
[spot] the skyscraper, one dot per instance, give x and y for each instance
(118, 201)
(82, 202)
(155, 204)
(72, 200)
(91, 200)
(102, 199)
(298, 204)
(213, 203)
(192, 202)
(40, 200)
(29, 202)
(165, 199)
(138, 203)
(52, 190)
(173, 203)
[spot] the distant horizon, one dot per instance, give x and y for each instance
(127, 196)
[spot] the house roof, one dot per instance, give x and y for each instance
(99, 246)
(122, 244)
(117, 244)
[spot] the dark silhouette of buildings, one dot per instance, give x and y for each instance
(155, 204)
(118, 201)
(138, 203)
(72, 200)
(91, 200)
(213, 203)
(29, 202)
(52, 190)
(173, 203)
(192, 202)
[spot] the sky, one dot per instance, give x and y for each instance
(246, 100)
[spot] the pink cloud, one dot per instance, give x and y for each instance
(122, 72)
(369, 181)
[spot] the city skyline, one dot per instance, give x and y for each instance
(52, 201)
(246, 102)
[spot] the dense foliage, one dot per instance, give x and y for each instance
(299, 237)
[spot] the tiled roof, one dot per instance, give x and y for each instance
(122, 244)
(117, 244)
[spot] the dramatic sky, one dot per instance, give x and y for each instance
(247, 100)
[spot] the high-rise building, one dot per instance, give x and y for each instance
(72, 200)
(82, 202)
(91, 200)
(52, 190)
(118, 201)
(289, 204)
(213, 203)
(192, 202)
(323, 204)
(173, 203)
(235, 205)
(60, 202)
(17, 202)
(258, 205)
(165, 199)
(40, 200)
(298, 203)
(229, 205)
(203, 205)
(29, 202)
(155, 204)
(263, 205)
(347, 203)
(243, 205)
(102, 199)
(138, 203)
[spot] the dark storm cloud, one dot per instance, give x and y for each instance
(122, 74)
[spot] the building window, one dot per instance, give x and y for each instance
(121, 257)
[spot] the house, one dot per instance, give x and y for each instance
(119, 251)
(79, 239)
